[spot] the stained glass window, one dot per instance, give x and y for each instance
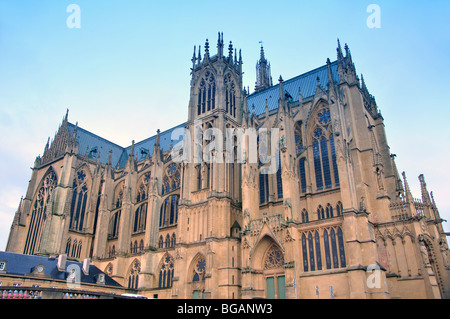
(199, 270)
(140, 218)
(305, 254)
(206, 93)
(311, 252)
(279, 179)
(302, 175)
(334, 248)
(318, 252)
(341, 247)
(39, 213)
(166, 272)
(324, 152)
(317, 165)
(133, 277)
(327, 249)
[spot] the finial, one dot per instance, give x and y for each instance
(230, 49)
(207, 47)
(280, 79)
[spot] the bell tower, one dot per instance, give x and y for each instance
(210, 211)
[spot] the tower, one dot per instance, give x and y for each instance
(209, 210)
(263, 76)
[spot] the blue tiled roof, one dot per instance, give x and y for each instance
(89, 141)
(18, 264)
(307, 83)
(147, 145)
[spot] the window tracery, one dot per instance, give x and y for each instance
(206, 94)
(133, 277)
(39, 213)
(79, 201)
(324, 151)
(166, 272)
(274, 258)
(199, 270)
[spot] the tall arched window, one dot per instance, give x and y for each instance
(114, 222)
(298, 137)
(171, 179)
(324, 152)
(114, 225)
(263, 188)
(169, 211)
(133, 275)
(279, 178)
(302, 174)
(206, 94)
(140, 218)
(39, 213)
(79, 201)
(230, 95)
(166, 272)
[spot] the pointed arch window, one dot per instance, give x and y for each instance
(39, 213)
(339, 209)
(324, 152)
(206, 94)
(171, 179)
(169, 211)
(329, 211)
(166, 272)
(298, 137)
(133, 275)
(230, 95)
(140, 218)
(199, 270)
(332, 245)
(320, 212)
(279, 178)
(305, 216)
(79, 201)
(302, 175)
(114, 225)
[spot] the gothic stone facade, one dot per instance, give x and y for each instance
(335, 218)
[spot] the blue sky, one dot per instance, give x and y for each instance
(125, 73)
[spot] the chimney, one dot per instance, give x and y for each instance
(62, 262)
(86, 264)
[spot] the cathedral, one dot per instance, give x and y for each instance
(305, 201)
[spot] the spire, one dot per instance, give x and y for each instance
(157, 154)
(330, 78)
(300, 96)
(194, 58)
(220, 45)
(423, 186)
(109, 158)
(263, 74)
(407, 189)
(340, 56)
(206, 49)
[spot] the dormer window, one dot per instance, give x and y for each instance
(2, 265)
